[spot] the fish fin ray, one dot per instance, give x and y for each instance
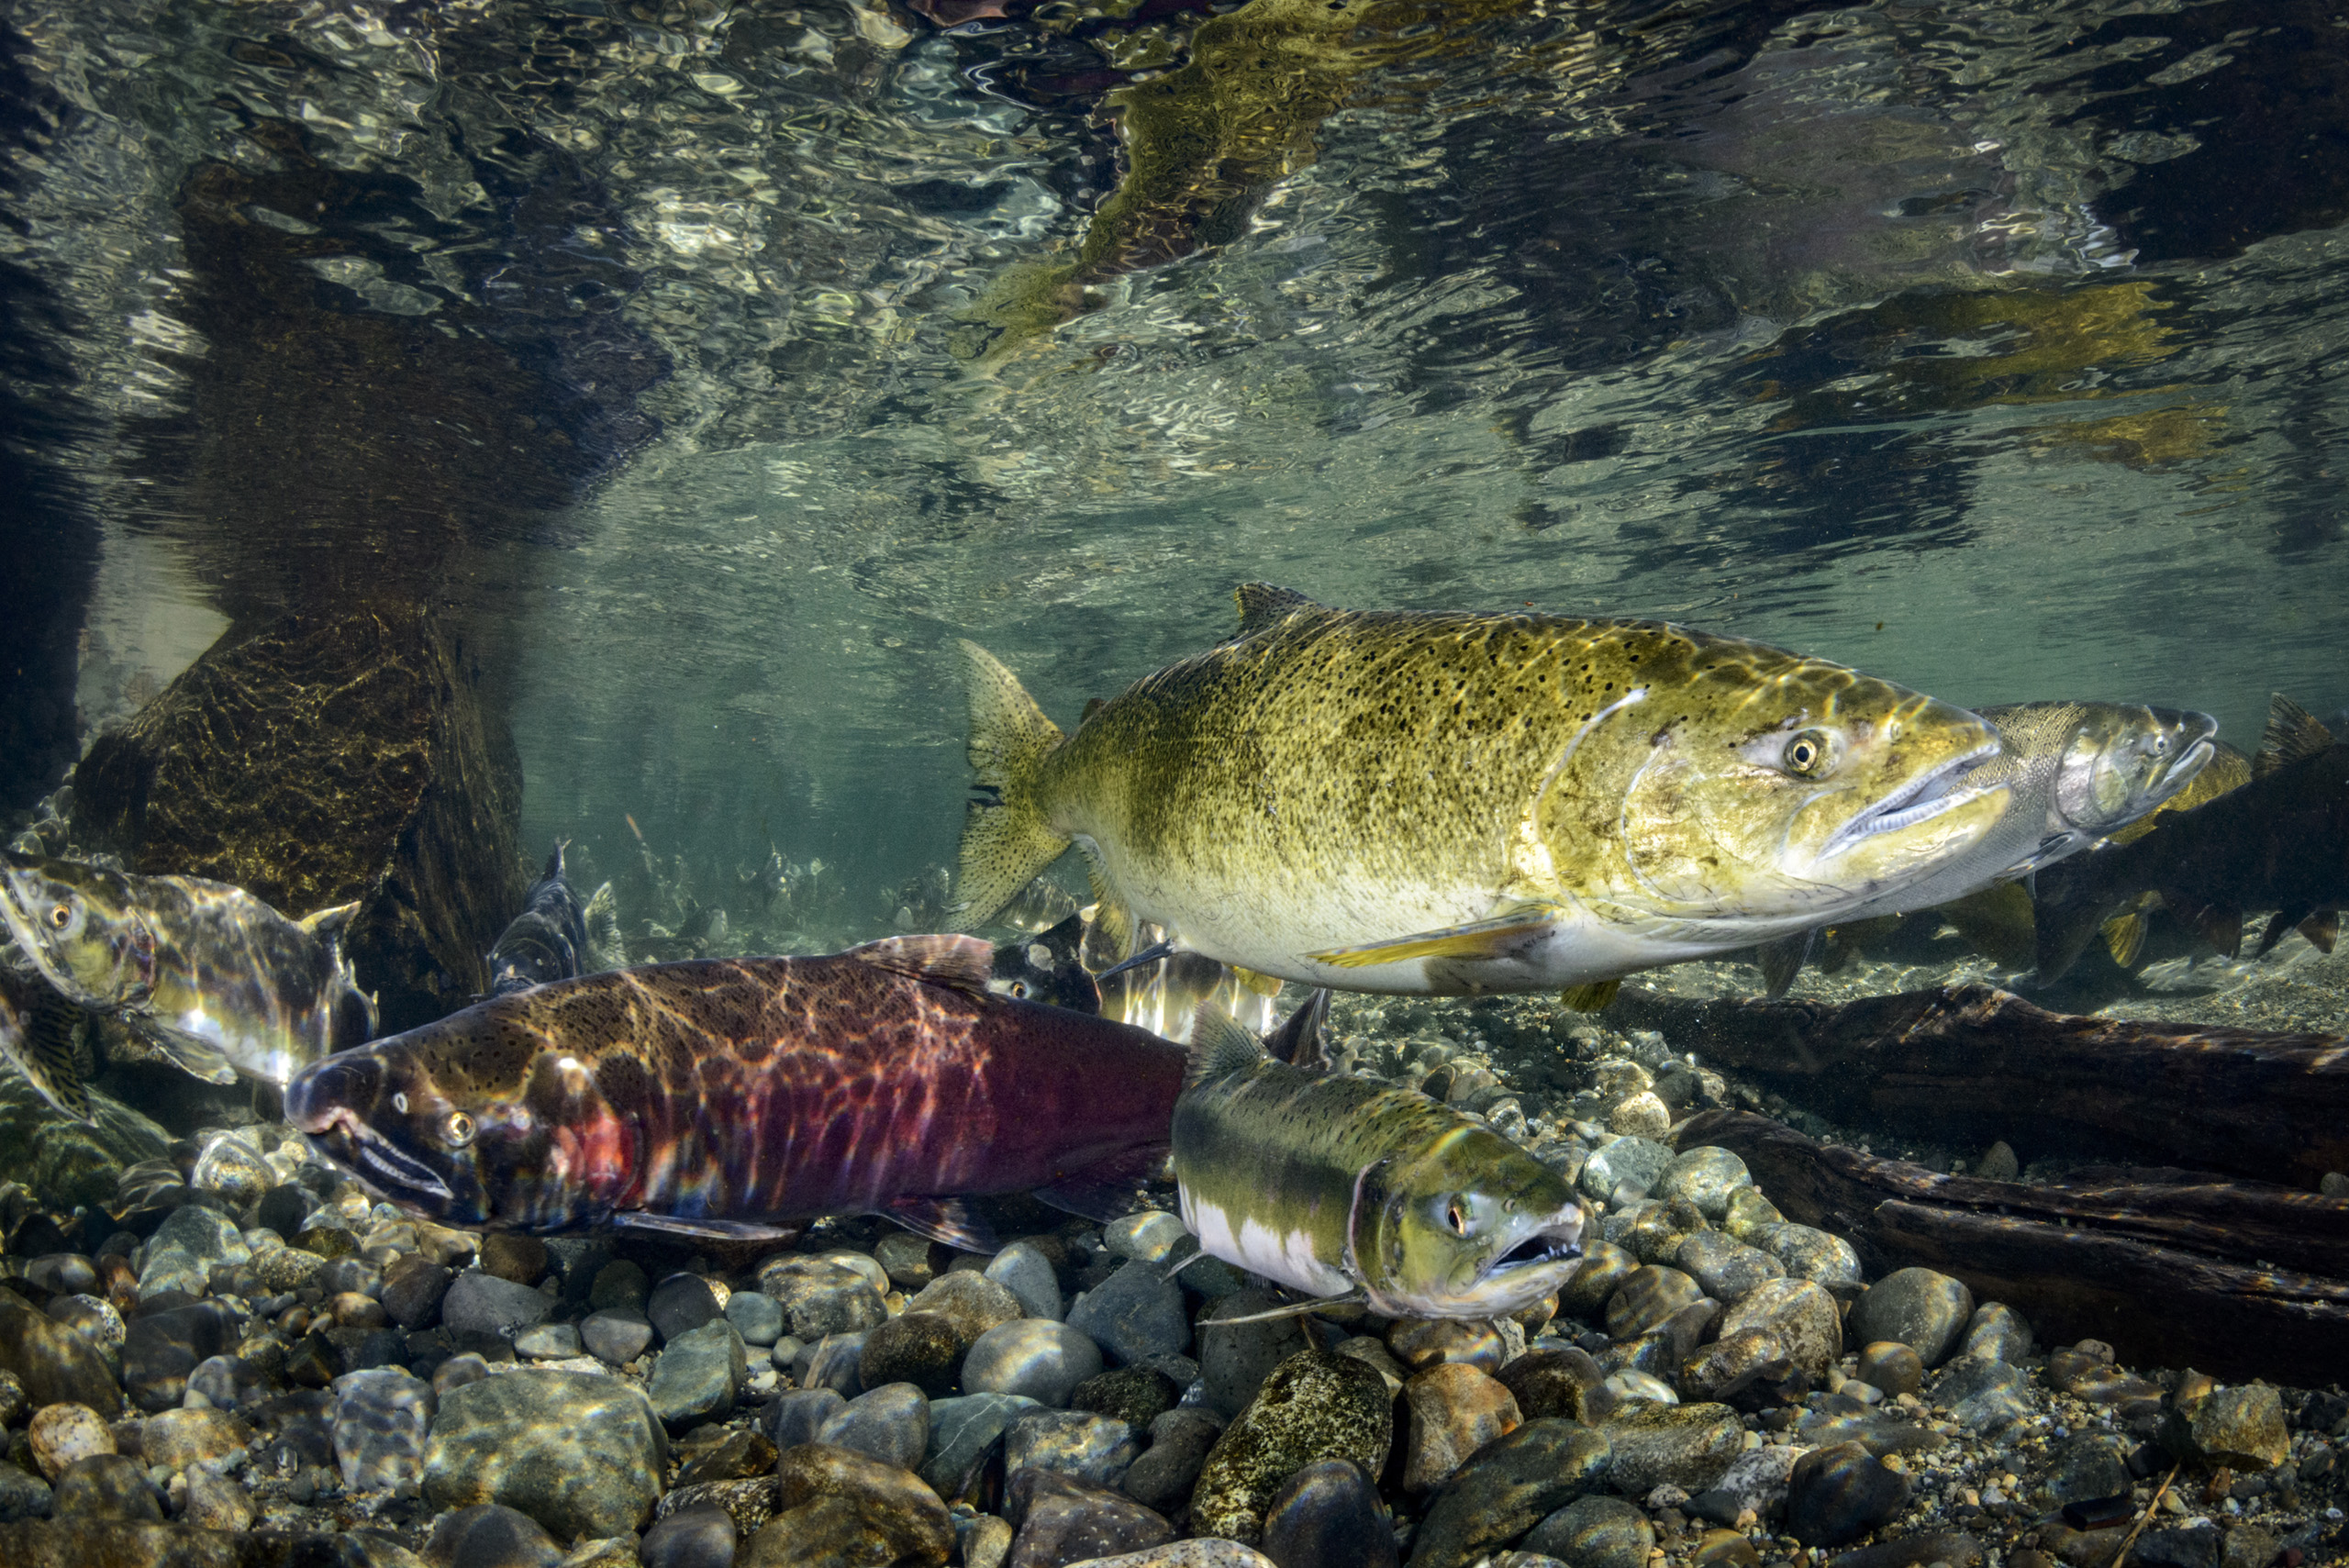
(1300, 1040)
(966, 963)
(1782, 960)
(1219, 1047)
(601, 917)
(2281, 921)
(43, 1052)
(197, 1058)
(1108, 1189)
(327, 925)
(2323, 928)
(1113, 924)
(1496, 938)
(945, 1219)
(705, 1229)
(1356, 1298)
(1595, 996)
(1255, 980)
(1263, 606)
(1005, 840)
(2293, 733)
(2124, 938)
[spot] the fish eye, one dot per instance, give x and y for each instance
(61, 916)
(399, 1101)
(1020, 990)
(1455, 1214)
(458, 1131)
(1807, 753)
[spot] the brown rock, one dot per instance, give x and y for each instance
(56, 1364)
(1454, 1410)
(512, 1256)
(1566, 1382)
(838, 1507)
(972, 1302)
(322, 759)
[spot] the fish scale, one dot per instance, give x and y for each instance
(733, 1096)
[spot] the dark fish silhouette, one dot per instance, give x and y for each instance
(2280, 842)
(733, 1097)
(1047, 967)
(554, 937)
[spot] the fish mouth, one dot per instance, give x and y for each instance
(319, 1101)
(2180, 773)
(1921, 799)
(1558, 1241)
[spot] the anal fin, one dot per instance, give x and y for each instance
(702, 1229)
(2124, 938)
(1502, 936)
(1781, 961)
(1595, 996)
(944, 1219)
(2323, 928)
(1108, 1189)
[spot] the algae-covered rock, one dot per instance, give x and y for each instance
(322, 759)
(67, 1163)
(1316, 1405)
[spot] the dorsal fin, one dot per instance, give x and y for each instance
(2293, 733)
(964, 962)
(555, 863)
(1262, 606)
(1219, 1047)
(1298, 1041)
(326, 925)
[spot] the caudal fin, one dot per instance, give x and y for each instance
(1005, 840)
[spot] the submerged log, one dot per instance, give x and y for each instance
(323, 759)
(1973, 1060)
(2238, 1278)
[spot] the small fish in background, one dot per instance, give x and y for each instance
(554, 937)
(1162, 995)
(2279, 842)
(2075, 772)
(740, 1098)
(1455, 804)
(210, 975)
(1047, 967)
(1339, 1186)
(37, 1034)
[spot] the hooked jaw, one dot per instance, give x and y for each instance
(1922, 798)
(328, 1102)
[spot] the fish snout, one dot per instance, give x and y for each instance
(319, 1093)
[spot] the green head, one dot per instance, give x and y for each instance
(2123, 760)
(1470, 1227)
(80, 924)
(1736, 784)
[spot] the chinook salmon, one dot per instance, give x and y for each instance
(730, 1098)
(2075, 772)
(210, 975)
(554, 936)
(1458, 803)
(1331, 1184)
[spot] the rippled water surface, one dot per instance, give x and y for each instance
(719, 364)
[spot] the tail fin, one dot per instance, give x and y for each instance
(1006, 841)
(606, 949)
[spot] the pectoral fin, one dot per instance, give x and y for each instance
(1782, 960)
(1595, 997)
(944, 1219)
(2124, 938)
(1502, 936)
(197, 1058)
(702, 1229)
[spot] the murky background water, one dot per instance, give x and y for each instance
(717, 365)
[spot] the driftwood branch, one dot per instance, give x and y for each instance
(2234, 1278)
(1976, 1062)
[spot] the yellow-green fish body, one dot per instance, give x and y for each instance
(1456, 803)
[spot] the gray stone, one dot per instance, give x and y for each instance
(1235, 1361)
(548, 1342)
(1603, 1270)
(1135, 1314)
(835, 1361)
(1180, 1440)
(1688, 1446)
(1757, 1478)
(2197, 1545)
(2089, 1466)
(106, 1487)
(1595, 1533)
(1733, 1363)
(1635, 1161)
(891, 1423)
(160, 1349)
(1923, 1309)
(699, 1375)
(480, 1303)
(1705, 1177)
(1982, 1395)
(1813, 1254)
(1510, 1486)
(756, 1316)
(1646, 1300)
(968, 1300)
(1024, 1270)
(1064, 1520)
(1035, 1356)
(703, 1536)
(906, 1259)
(615, 1334)
(580, 1452)
(1145, 1238)
(679, 1305)
(1725, 1268)
(921, 1347)
(1454, 1409)
(412, 1290)
(798, 1413)
(1330, 1516)
(23, 1495)
(382, 1421)
(1074, 1442)
(1557, 1380)
(2240, 1427)
(1894, 1368)
(490, 1535)
(963, 1433)
(1997, 1333)
(181, 1253)
(819, 1298)
(1803, 1315)
(1316, 1405)
(1840, 1493)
